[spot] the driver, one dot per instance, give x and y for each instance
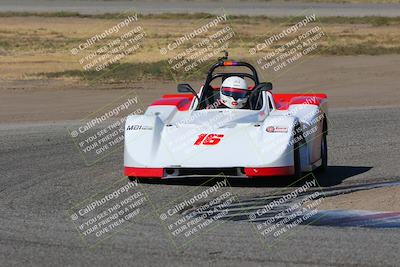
(234, 92)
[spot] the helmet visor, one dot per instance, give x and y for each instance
(233, 92)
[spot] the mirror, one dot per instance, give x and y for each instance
(186, 88)
(264, 87)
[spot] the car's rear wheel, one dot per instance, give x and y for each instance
(324, 154)
(297, 161)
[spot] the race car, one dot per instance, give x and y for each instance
(234, 126)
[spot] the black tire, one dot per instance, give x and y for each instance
(324, 155)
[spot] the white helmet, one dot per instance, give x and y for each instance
(234, 92)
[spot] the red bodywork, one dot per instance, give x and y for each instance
(158, 173)
(283, 101)
(181, 101)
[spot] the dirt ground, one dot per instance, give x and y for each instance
(349, 81)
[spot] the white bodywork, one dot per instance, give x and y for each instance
(164, 137)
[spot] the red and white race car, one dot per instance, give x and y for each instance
(198, 134)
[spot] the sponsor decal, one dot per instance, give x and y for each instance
(276, 129)
(138, 127)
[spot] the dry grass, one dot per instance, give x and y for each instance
(41, 44)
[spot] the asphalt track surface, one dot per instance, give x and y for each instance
(42, 176)
(249, 8)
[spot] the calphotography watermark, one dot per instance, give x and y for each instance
(197, 212)
(103, 132)
(108, 212)
(112, 44)
(106, 33)
(305, 126)
(287, 47)
(281, 215)
(184, 133)
(193, 34)
(193, 51)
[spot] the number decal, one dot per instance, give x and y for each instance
(200, 139)
(208, 139)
